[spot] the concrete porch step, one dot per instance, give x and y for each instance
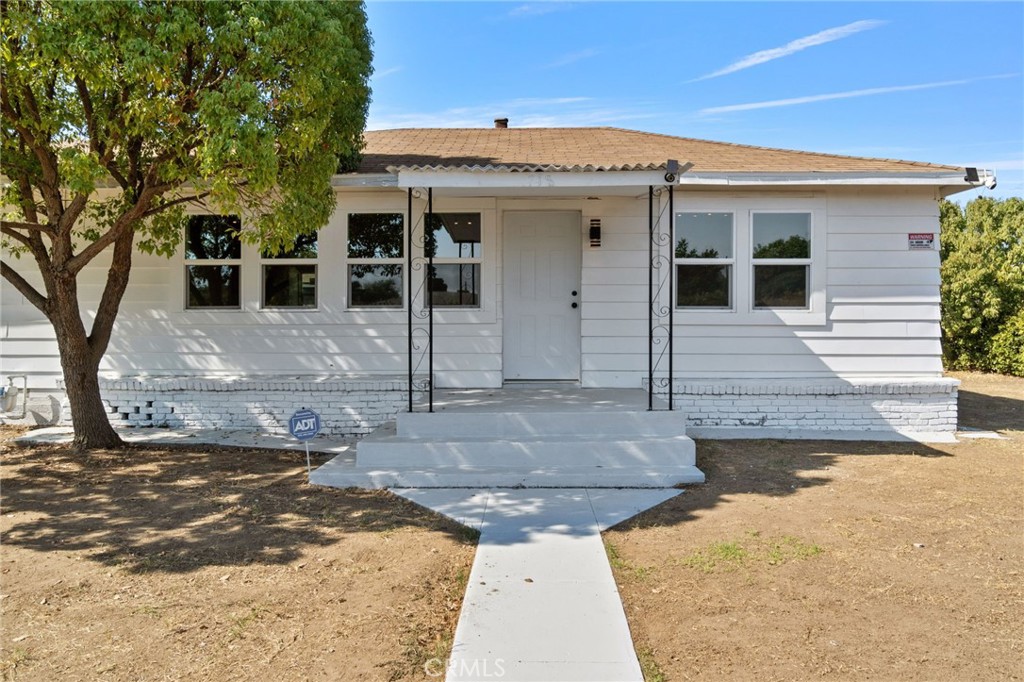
(526, 437)
(502, 425)
(346, 476)
(380, 450)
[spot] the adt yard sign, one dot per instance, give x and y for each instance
(304, 424)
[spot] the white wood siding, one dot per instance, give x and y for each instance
(882, 300)
(881, 317)
(154, 335)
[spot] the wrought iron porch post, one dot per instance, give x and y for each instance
(428, 239)
(408, 281)
(650, 298)
(671, 290)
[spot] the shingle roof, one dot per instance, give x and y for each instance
(563, 149)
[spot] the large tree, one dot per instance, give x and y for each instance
(117, 115)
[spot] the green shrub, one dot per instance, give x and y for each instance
(983, 285)
(1008, 347)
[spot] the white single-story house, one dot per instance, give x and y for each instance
(756, 290)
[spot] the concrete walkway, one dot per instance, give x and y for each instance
(541, 604)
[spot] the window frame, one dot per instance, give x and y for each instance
(399, 261)
(211, 262)
(730, 262)
(806, 262)
(476, 260)
(743, 206)
(265, 261)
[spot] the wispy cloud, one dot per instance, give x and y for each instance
(792, 47)
(573, 57)
(545, 101)
(866, 92)
(384, 73)
(537, 9)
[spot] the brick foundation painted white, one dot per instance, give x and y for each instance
(347, 406)
(875, 408)
(801, 408)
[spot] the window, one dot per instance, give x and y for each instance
(213, 262)
(704, 259)
(781, 259)
(289, 278)
(453, 240)
(375, 265)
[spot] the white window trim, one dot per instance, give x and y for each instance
(743, 311)
(475, 260)
(401, 261)
(315, 262)
(754, 262)
(705, 261)
(187, 262)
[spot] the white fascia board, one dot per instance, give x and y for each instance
(528, 180)
(364, 180)
(804, 179)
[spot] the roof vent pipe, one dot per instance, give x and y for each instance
(501, 123)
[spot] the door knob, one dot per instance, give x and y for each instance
(575, 304)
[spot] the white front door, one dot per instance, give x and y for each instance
(541, 295)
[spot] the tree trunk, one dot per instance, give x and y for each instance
(88, 415)
(80, 362)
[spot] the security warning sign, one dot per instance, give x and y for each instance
(921, 241)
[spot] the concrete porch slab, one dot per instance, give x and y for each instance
(530, 397)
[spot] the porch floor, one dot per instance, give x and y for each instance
(540, 397)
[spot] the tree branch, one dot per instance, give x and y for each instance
(17, 236)
(90, 115)
(33, 227)
(115, 173)
(74, 209)
(28, 200)
(175, 202)
(117, 230)
(26, 289)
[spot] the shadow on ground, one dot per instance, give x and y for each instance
(990, 412)
(178, 510)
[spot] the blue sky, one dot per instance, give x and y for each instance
(926, 81)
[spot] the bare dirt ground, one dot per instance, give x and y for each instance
(797, 560)
(219, 565)
(832, 560)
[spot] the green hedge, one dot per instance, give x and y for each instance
(983, 285)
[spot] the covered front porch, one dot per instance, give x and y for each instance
(533, 435)
(530, 263)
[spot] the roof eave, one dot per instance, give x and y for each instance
(931, 179)
(947, 181)
(513, 179)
